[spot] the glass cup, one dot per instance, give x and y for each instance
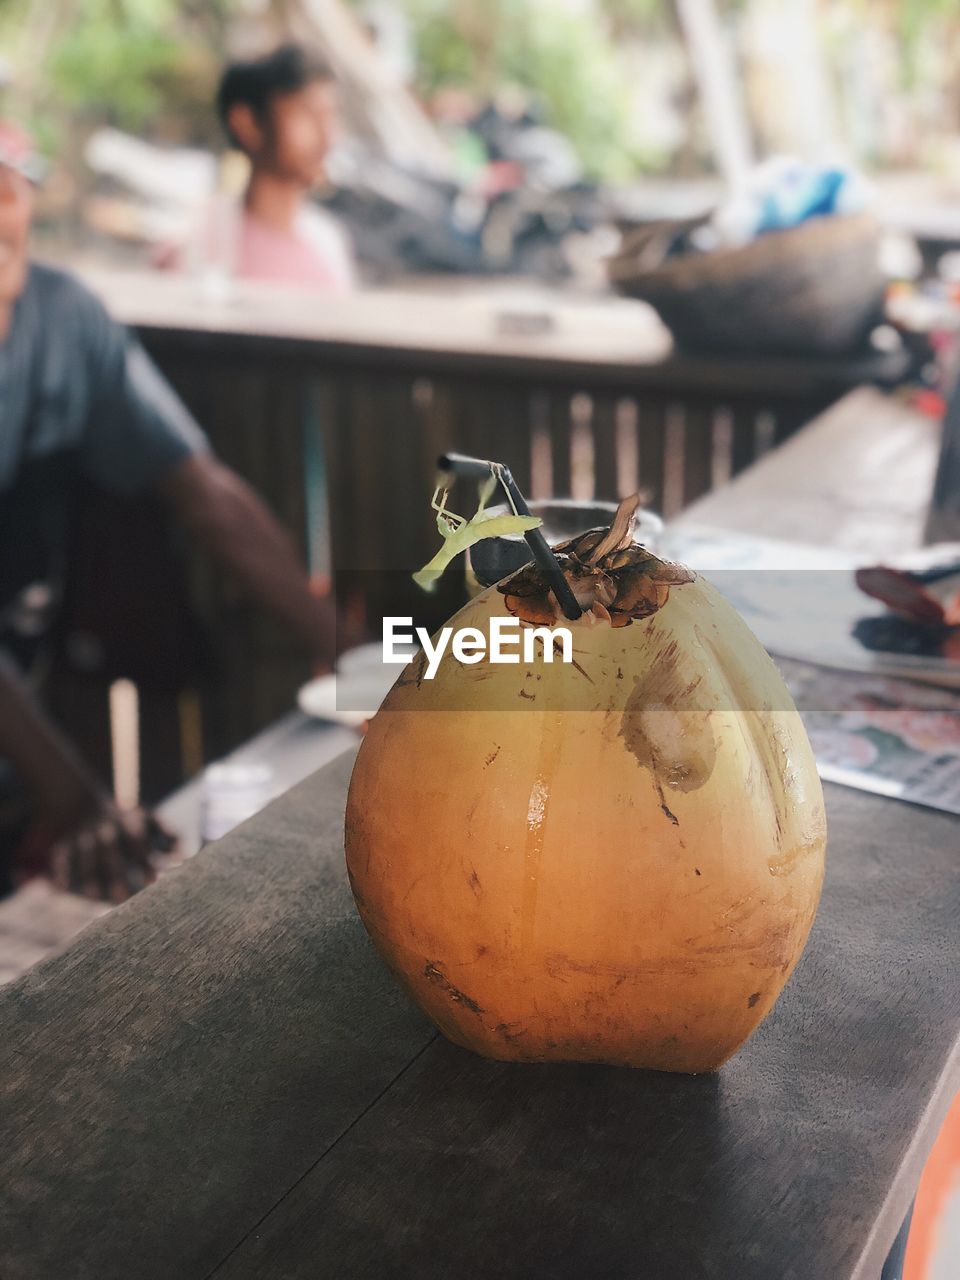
(232, 793)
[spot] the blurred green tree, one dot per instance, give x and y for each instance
(126, 62)
(565, 55)
(150, 64)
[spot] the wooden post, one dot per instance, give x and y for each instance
(717, 86)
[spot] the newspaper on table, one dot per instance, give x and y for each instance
(890, 737)
(887, 723)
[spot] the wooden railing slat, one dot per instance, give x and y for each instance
(651, 434)
(697, 451)
(560, 441)
(606, 482)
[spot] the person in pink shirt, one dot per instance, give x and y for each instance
(281, 112)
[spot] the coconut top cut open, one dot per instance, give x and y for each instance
(613, 578)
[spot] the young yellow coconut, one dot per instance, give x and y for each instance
(617, 860)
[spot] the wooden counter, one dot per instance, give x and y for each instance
(221, 1078)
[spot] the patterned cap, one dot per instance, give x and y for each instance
(17, 151)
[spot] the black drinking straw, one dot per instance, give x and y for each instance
(456, 464)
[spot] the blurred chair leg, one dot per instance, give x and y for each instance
(935, 1229)
(893, 1267)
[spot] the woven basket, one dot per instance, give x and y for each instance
(813, 289)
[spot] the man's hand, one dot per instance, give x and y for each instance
(79, 834)
(108, 856)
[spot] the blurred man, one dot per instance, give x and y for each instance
(281, 112)
(79, 398)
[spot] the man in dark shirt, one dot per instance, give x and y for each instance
(79, 397)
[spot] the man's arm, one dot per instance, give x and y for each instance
(232, 522)
(138, 429)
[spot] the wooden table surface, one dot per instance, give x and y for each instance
(860, 477)
(220, 1078)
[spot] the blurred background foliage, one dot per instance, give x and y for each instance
(150, 65)
(565, 56)
(610, 74)
(138, 64)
